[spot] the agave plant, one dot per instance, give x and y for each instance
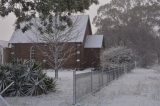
(28, 78)
(36, 87)
(5, 77)
(38, 82)
(48, 82)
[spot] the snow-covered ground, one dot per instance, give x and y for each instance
(62, 97)
(141, 87)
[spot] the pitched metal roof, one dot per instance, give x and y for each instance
(77, 33)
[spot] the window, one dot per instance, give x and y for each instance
(78, 52)
(32, 53)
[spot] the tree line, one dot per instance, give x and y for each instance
(134, 24)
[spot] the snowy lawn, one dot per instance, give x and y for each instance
(62, 97)
(141, 87)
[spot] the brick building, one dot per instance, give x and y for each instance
(87, 46)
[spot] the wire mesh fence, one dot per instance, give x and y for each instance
(93, 81)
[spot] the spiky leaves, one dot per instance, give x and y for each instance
(5, 77)
(28, 81)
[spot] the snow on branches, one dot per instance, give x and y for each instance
(116, 56)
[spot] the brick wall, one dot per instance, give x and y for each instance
(87, 57)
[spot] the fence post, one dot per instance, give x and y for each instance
(91, 82)
(109, 76)
(99, 75)
(74, 87)
(113, 74)
(121, 71)
(135, 64)
(102, 77)
(127, 68)
(124, 68)
(118, 71)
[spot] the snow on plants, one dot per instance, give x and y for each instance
(28, 80)
(139, 88)
(117, 56)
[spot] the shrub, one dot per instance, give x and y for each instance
(4, 77)
(117, 56)
(28, 78)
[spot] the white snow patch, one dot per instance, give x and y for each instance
(141, 87)
(62, 97)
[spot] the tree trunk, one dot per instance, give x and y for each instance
(56, 74)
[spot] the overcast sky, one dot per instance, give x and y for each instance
(7, 23)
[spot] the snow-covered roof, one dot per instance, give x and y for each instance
(77, 33)
(94, 41)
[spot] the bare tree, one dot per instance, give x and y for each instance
(52, 20)
(57, 46)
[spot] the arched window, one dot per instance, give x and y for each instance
(32, 53)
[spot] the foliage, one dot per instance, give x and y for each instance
(51, 17)
(29, 80)
(117, 56)
(26, 10)
(4, 77)
(131, 23)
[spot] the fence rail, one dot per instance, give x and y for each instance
(93, 81)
